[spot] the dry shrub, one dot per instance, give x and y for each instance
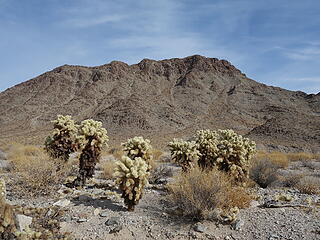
(156, 154)
(309, 185)
(300, 156)
(291, 181)
(108, 169)
(278, 158)
(37, 173)
(264, 172)
(117, 153)
(160, 172)
(200, 194)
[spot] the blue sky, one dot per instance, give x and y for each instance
(276, 42)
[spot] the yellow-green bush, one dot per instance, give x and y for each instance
(131, 176)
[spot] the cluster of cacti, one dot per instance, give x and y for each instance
(63, 139)
(139, 147)
(7, 222)
(230, 215)
(222, 149)
(184, 153)
(93, 137)
(131, 177)
(67, 137)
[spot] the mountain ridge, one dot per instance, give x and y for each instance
(162, 98)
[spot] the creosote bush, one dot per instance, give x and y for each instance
(202, 194)
(63, 140)
(221, 149)
(131, 176)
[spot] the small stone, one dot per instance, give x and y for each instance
(116, 229)
(199, 227)
(113, 221)
(84, 198)
(62, 203)
(273, 237)
(80, 220)
(23, 222)
(96, 212)
(3, 155)
(103, 214)
(6, 165)
(237, 225)
(254, 203)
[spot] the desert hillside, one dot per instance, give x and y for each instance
(168, 98)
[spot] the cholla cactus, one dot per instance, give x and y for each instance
(7, 223)
(63, 139)
(131, 177)
(230, 215)
(139, 147)
(184, 153)
(227, 151)
(93, 137)
(3, 192)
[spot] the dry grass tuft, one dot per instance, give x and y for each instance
(108, 169)
(309, 185)
(264, 172)
(156, 154)
(199, 194)
(278, 158)
(37, 173)
(301, 156)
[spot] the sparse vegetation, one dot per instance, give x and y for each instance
(223, 149)
(309, 185)
(108, 169)
(264, 172)
(203, 194)
(36, 172)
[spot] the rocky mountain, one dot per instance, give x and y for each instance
(162, 99)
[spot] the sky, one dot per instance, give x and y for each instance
(276, 42)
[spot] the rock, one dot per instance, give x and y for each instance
(273, 237)
(6, 165)
(84, 198)
(23, 222)
(161, 181)
(254, 203)
(227, 238)
(62, 203)
(116, 229)
(80, 220)
(3, 155)
(103, 214)
(199, 227)
(113, 221)
(96, 212)
(236, 225)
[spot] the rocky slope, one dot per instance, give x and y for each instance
(164, 98)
